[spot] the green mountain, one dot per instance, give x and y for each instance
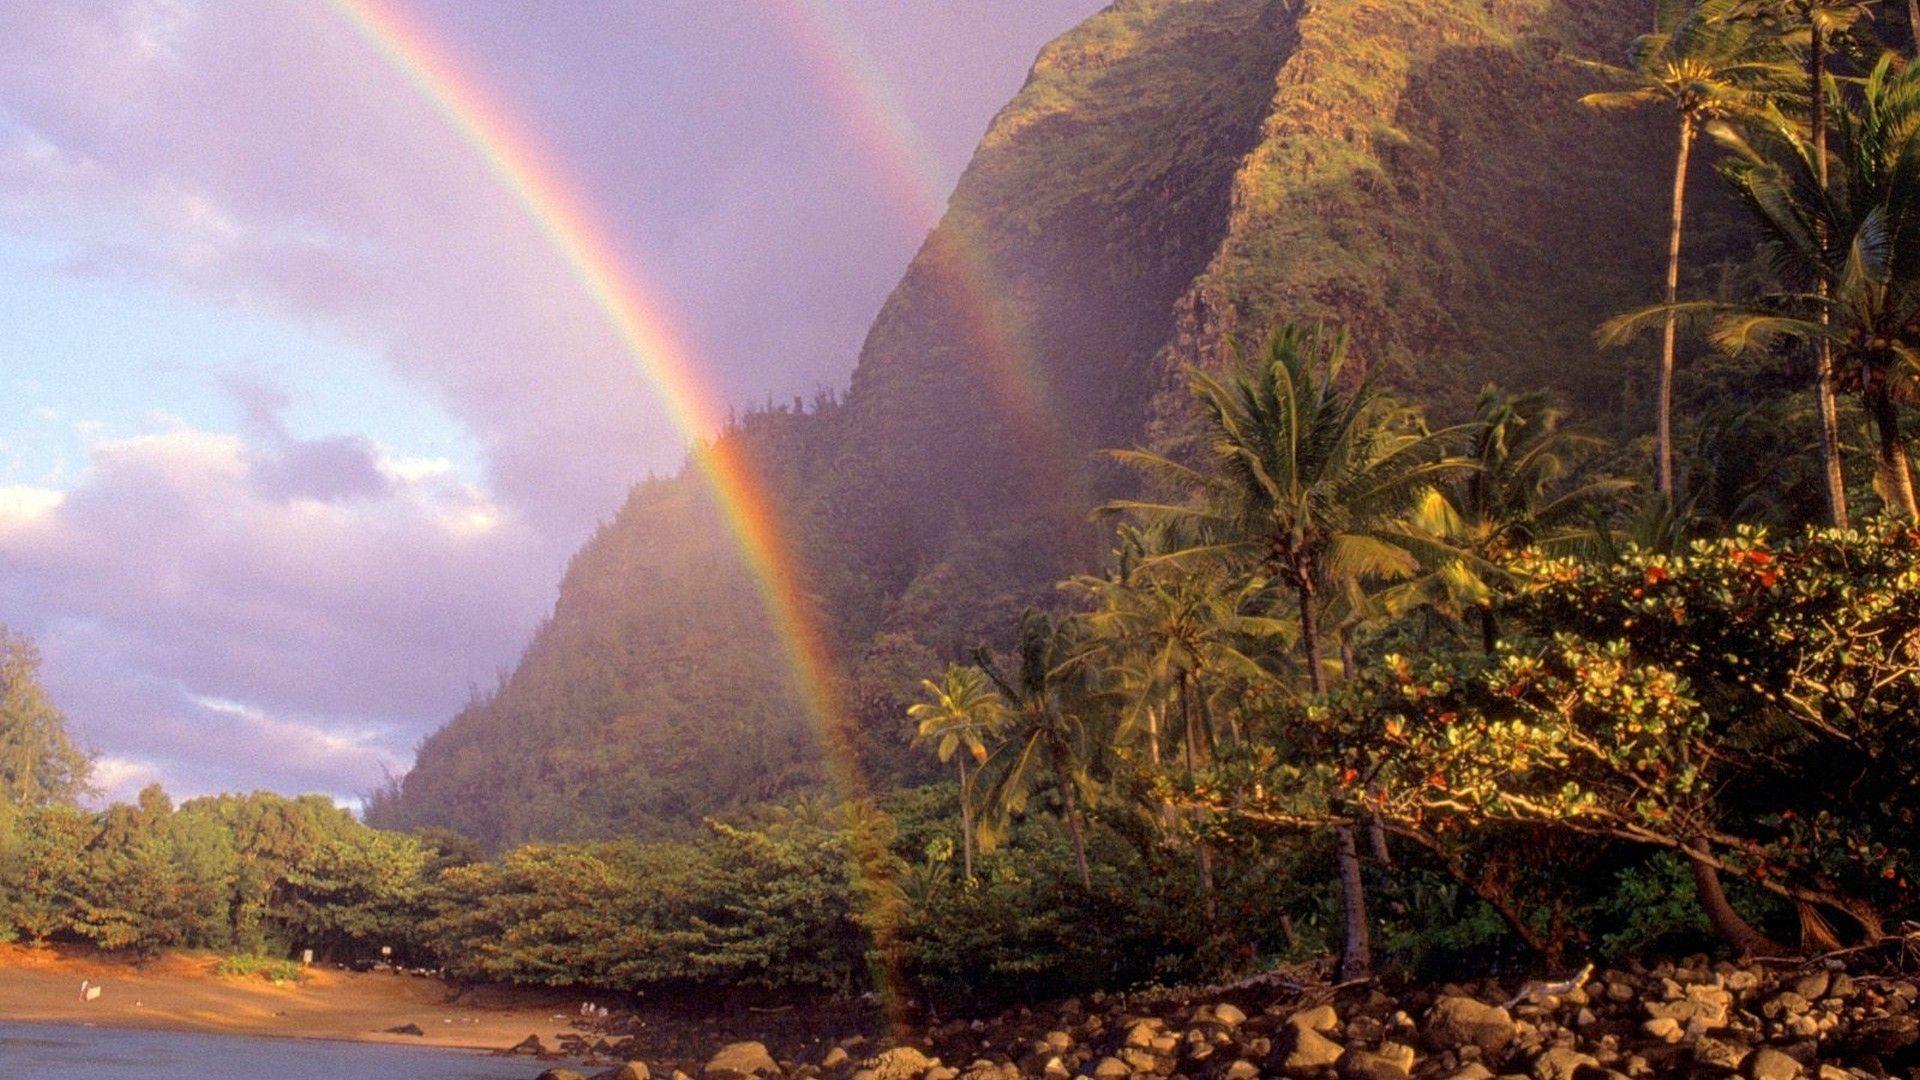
(1175, 175)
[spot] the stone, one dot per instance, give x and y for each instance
(531, 1045)
(1620, 991)
(632, 1070)
(1699, 1003)
(899, 1063)
(1229, 1015)
(1055, 1069)
(1309, 1051)
(1561, 1063)
(1241, 1069)
(1111, 1068)
(1719, 1054)
(1785, 1003)
(561, 1074)
(1142, 1033)
(1399, 1054)
(1462, 1021)
(1767, 1063)
(1320, 1018)
(741, 1061)
(1059, 1041)
(835, 1057)
(1472, 1070)
(1813, 985)
(1664, 1028)
(405, 1029)
(1364, 1065)
(941, 1072)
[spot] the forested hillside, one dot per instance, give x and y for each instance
(1174, 174)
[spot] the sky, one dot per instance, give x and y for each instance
(301, 413)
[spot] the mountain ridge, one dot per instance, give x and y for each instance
(1173, 176)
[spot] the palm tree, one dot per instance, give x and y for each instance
(1304, 482)
(1815, 23)
(1707, 70)
(1856, 236)
(963, 712)
(1524, 491)
(1045, 736)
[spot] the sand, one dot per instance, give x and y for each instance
(183, 993)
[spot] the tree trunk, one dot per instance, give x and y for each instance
(1309, 634)
(1072, 809)
(966, 818)
(1670, 330)
(1823, 354)
(1727, 923)
(1489, 630)
(1377, 835)
(1356, 952)
(1194, 753)
(1913, 25)
(1896, 478)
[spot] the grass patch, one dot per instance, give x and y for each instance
(278, 972)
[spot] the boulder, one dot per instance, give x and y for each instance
(1366, 1065)
(1561, 1063)
(1472, 1070)
(1240, 1069)
(1719, 1054)
(1309, 1051)
(531, 1046)
(1454, 1022)
(834, 1058)
(405, 1029)
(1111, 1068)
(899, 1063)
(1767, 1063)
(1141, 1033)
(561, 1074)
(1813, 985)
(741, 1061)
(1229, 1014)
(1700, 1004)
(1320, 1018)
(632, 1070)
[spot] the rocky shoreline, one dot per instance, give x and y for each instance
(1671, 1019)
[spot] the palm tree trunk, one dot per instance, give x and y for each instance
(1356, 952)
(1670, 330)
(1489, 630)
(1823, 353)
(966, 819)
(1913, 25)
(1309, 634)
(1727, 923)
(1072, 809)
(1192, 733)
(1896, 478)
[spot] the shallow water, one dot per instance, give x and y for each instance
(61, 1052)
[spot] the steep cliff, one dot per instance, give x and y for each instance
(1174, 175)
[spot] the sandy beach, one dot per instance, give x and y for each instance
(183, 993)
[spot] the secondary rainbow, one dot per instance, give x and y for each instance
(518, 163)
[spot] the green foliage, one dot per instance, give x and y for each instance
(39, 762)
(278, 972)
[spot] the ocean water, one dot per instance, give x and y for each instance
(61, 1052)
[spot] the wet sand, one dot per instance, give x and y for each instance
(182, 993)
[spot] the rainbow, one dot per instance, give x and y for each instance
(516, 161)
(873, 113)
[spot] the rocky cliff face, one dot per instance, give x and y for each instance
(1175, 175)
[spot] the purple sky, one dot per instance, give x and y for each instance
(300, 416)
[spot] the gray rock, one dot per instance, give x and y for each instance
(1767, 1063)
(1309, 1051)
(1719, 1054)
(1813, 985)
(1560, 1063)
(899, 1063)
(741, 1061)
(1320, 1018)
(1462, 1021)
(1364, 1065)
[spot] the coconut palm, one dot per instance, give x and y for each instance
(1706, 69)
(1304, 482)
(1855, 238)
(961, 715)
(1045, 736)
(1524, 491)
(1811, 26)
